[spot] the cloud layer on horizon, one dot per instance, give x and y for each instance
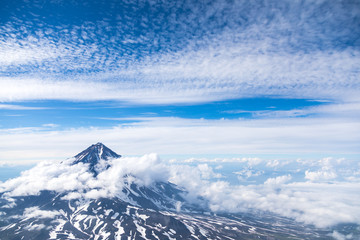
(189, 136)
(323, 203)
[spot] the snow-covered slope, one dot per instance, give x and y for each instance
(48, 216)
(69, 209)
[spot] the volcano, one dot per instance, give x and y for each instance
(60, 209)
(93, 156)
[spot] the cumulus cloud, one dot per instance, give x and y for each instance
(306, 202)
(35, 212)
(65, 177)
(247, 173)
(339, 236)
(273, 163)
(207, 172)
(320, 175)
(320, 203)
(278, 180)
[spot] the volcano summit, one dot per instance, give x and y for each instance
(94, 155)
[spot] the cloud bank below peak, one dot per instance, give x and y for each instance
(317, 202)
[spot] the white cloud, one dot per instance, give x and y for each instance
(72, 195)
(339, 236)
(267, 57)
(273, 163)
(199, 76)
(16, 54)
(35, 212)
(19, 107)
(239, 61)
(188, 177)
(334, 110)
(249, 160)
(179, 136)
(329, 169)
(278, 180)
(35, 227)
(320, 175)
(14, 163)
(207, 172)
(309, 202)
(254, 55)
(247, 173)
(64, 177)
(50, 125)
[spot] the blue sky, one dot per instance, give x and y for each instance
(250, 102)
(65, 114)
(179, 77)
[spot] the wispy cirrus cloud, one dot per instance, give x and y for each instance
(332, 110)
(19, 107)
(241, 50)
(191, 136)
(201, 75)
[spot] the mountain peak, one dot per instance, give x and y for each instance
(94, 154)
